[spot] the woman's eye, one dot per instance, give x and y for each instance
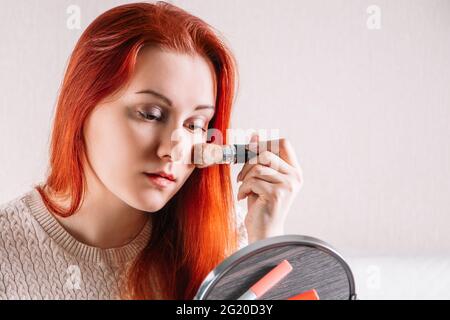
(152, 117)
(202, 127)
(148, 116)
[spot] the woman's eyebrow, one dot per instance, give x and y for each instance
(168, 101)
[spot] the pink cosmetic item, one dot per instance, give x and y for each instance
(267, 282)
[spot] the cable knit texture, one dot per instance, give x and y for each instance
(39, 259)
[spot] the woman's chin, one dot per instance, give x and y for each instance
(151, 201)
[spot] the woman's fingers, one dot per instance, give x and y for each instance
(262, 188)
(281, 147)
(287, 153)
(265, 173)
(268, 159)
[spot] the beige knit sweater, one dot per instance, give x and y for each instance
(39, 259)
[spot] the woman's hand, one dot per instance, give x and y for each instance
(271, 183)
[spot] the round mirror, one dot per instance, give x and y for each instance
(315, 266)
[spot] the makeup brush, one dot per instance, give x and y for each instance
(207, 154)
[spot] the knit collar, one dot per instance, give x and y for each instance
(76, 248)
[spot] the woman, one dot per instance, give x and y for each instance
(103, 225)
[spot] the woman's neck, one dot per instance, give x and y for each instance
(103, 220)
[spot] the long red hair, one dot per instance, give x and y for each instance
(196, 229)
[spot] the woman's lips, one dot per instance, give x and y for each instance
(159, 181)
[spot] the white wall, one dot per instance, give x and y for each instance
(367, 110)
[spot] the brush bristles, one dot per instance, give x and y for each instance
(206, 154)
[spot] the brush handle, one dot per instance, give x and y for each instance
(241, 153)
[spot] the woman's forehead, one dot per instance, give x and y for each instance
(175, 75)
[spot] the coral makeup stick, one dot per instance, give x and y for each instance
(267, 282)
(308, 295)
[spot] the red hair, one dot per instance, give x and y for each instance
(196, 229)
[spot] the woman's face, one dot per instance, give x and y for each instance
(149, 126)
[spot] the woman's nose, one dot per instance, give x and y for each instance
(172, 145)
